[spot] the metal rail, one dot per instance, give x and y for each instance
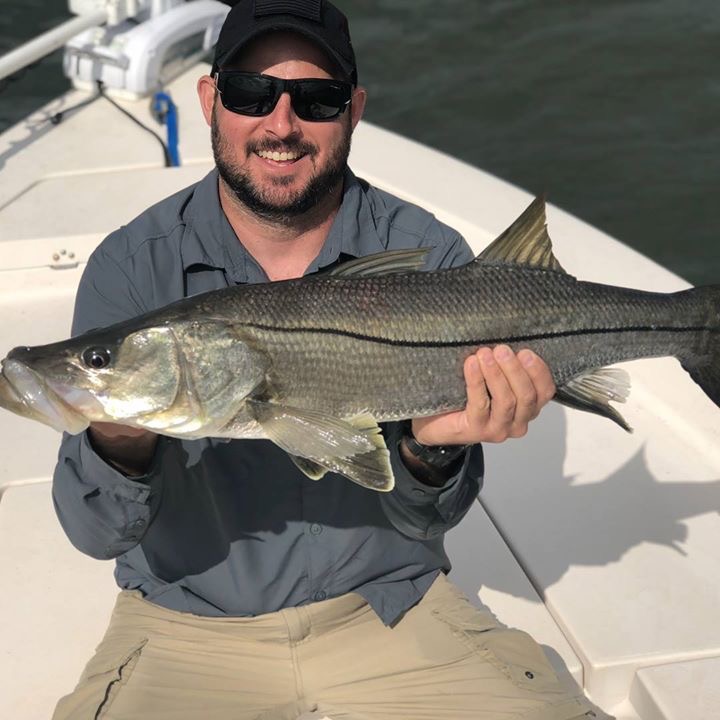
(48, 42)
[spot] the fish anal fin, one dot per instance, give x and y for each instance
(525, 242)
(594, 390)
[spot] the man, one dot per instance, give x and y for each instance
(250, 591)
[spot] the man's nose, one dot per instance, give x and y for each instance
(283, 121)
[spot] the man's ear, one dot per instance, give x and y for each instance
(206, 92)
(357, 106)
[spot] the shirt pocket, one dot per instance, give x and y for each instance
(513, 652)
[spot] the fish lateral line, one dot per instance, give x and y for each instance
(483, 341)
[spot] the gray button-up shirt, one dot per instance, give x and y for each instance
(234, 528)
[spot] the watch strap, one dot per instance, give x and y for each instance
(438, 456)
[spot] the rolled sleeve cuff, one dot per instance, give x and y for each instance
(103, 513)
(414, 491)
(136, 499)
(112, 481)
(422, 511)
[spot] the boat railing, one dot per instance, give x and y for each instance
(48, 42)
(90, 14)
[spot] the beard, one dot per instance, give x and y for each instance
(277, 203)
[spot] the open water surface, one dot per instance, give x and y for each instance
(610, 107)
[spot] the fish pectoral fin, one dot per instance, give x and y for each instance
(594, 390)
(383, 263)
(525, 242)
(354, 448)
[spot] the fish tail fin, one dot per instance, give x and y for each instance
(703, 361)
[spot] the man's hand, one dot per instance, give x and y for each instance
(505, 391)
(128, 449)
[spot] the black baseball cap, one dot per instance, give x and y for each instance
(318, 20)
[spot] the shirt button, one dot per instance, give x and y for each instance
(316, 529)
(320, 595)
(137, 524)
(418, 492)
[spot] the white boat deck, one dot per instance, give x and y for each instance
(604, 546)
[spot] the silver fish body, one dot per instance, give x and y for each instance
(315, 363)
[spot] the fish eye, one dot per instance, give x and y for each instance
(96, 358)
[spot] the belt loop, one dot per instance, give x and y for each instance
(298, 623)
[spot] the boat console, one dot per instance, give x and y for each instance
(141, 53)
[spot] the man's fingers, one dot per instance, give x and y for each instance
(522, 388)
(499, 416)
(505, 392)
(516, 388)
(478, 398)
(540, 375)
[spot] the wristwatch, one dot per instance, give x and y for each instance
(437, 456)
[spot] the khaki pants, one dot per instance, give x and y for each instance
(444, 660)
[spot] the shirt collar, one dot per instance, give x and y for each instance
(207, 230)
(210, 240)
(353, 232)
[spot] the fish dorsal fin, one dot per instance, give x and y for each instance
(525, 242)
(383, 263)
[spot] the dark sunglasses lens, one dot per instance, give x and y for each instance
(320, 100)
(248, 94)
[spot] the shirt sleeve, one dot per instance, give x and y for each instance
(414, 508)
(421, 511)
(103, 513)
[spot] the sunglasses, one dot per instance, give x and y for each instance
(253, 94)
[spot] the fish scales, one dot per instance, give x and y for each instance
(463, 305)
(349, 333)
(348, 376)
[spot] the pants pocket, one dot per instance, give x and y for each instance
(103, 678)
(517, 655)
(513, 652)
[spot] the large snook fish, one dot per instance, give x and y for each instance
(314, 364)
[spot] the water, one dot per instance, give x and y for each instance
(611, 108)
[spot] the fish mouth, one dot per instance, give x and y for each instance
(25, 393)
